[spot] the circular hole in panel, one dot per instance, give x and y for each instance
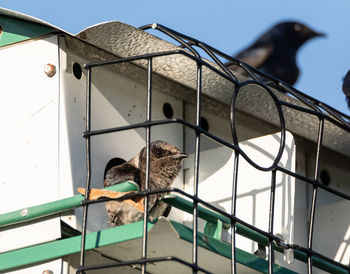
(325, 178)
(77, 71)
(257, 127)
(204, 124)
(168, 110)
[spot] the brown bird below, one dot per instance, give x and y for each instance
(165, 165)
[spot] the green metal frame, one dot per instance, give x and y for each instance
(217, 221)
(224, 249)
(35, 212)
(59, 248)
(15, 30)
(209, 240)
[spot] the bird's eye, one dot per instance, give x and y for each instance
(297, 27)
(158, 152)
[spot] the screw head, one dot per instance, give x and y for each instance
(24, 212)
(50, 70)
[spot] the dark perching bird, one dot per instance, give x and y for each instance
(165, 165)
(274, 52)
(346, 88)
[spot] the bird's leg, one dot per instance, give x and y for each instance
(96, 193)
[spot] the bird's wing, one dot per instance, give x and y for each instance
(257, 54)
(122, 173)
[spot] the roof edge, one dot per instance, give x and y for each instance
(24, 17)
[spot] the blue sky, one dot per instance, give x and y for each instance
(227, 25)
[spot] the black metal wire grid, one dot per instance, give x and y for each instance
(320, 110)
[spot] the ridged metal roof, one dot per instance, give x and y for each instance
(124, 41)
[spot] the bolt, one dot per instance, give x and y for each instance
(24, 212)
(50, 70)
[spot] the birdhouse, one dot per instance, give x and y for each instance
(264, 188)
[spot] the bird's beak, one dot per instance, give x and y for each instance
(180, 156)
(319, 34)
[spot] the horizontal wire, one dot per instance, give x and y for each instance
(313, 182)
(161, 54)
(341, 123)
(180, 121)
(217, 139)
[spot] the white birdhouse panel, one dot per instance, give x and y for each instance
(116, 100)
(253, 186)
(29, 137)
(52, 267)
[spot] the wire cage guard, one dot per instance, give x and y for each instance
(191, 49)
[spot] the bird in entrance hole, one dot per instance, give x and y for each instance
(346, 88)
(275, 51)
(165, 165)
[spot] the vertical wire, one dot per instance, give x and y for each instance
(314, 195)
(233, 213)
(147, 171)
(88, 167)
(196, 168)
(271, 218)
(234, 183)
